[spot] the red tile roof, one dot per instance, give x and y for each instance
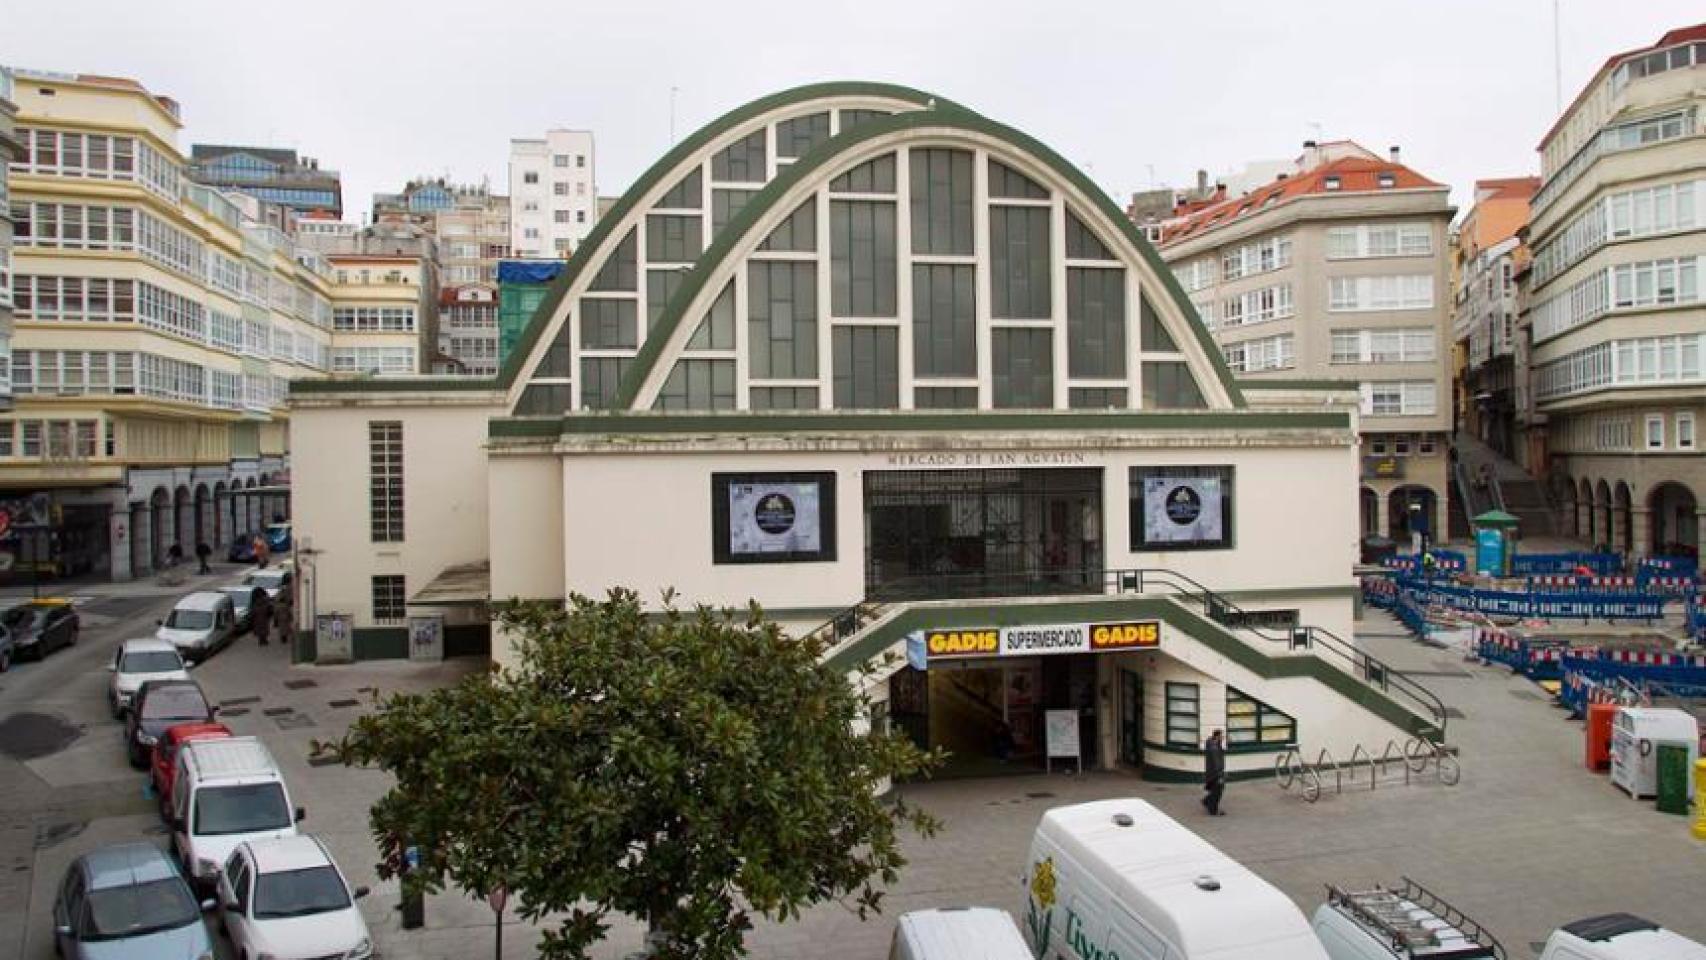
(1670, 39)
(1355, 175)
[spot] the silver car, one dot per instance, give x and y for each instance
(128, 901)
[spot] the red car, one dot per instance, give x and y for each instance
(165, 763)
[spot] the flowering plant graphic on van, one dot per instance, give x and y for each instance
(1039, 912)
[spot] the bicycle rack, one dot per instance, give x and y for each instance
(1413, 758)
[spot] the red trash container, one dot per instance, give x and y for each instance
(1597, 735)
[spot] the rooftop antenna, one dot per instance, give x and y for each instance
(1557, 61)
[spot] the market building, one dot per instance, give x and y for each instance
(905, 377)
(1614, 318)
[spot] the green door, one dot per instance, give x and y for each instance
(1131, 718)
(1672, 769)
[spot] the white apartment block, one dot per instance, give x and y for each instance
(553, 196)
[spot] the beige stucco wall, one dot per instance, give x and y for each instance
(445, 509)
(643, 520)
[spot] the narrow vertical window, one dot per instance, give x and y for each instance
(385, 479)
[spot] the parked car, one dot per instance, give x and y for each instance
(138, 661)
(128, 900)
(41, 626)
(242, 602)
(242, 548)
(278, 538)
(225, 792)
(158, 706)
(163, 767)
(274, 580)
(200, 624)
(287, 898)
(6, 649)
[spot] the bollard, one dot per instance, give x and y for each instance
(1699, 829)
(414, 904)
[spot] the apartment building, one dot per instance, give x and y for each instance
(1339, 268)
(384, 311)
(1612, 303)
(10, 149)
(157, 327)
(271, 175)
(468, 329)
(1489, 256)
(473, 234)
(553, 194)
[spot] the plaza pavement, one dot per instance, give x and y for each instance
(1528, 840)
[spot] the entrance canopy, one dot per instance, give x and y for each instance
(464, 583)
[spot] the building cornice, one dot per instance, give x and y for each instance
(1315, 207)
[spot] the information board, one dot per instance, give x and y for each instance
(1061, 732)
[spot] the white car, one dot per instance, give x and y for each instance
(273, 579)
(286, 898)
(137, 662)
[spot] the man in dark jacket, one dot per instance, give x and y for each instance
(202, 552)
(260, 616)
(1214, 773)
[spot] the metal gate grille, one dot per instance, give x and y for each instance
(963, 533)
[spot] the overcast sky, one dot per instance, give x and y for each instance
(1138, 92)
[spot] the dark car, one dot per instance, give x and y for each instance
(242, 548)
(39, 627)
(158, 706)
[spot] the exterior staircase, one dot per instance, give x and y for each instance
(1513, 489)
(863, 639)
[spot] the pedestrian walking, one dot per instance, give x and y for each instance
(284, 618)
(260, 616)
(1214, 773)
(263, 553)
(202, 552)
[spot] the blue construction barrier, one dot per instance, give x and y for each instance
(1419, 593)
(1680, 566)
(1582, 674)
(1528, 564)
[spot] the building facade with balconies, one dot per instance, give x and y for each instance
(1490, 255)
(10, 150)
(1339, 268)
(1614, 314)
(157, 327)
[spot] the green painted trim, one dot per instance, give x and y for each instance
(1156, 774)
(1322, 384)
(1181, 750)
(1200, 628)
(379, 643)
(392, 384)
(942, 115)
(590, 250)
(1302, 593)
(642, 423)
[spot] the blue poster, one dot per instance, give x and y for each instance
(1489, 552)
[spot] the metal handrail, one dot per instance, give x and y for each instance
(1217, 607)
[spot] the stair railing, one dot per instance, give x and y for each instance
(1142, 580)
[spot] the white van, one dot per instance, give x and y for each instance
(958, 933)
(199, 624)
(1121, 878)
(224, 792)
(1406, 922)
(1619, 936)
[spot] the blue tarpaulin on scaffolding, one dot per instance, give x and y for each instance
(529, 271)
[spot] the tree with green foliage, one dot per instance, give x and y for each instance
(688, 769)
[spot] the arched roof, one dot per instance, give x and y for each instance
(600, 243)
(829, 158)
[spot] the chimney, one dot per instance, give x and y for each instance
(1309, 144)
(1202, 182)
(1392, 152)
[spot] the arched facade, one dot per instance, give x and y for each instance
(926, 260)
(1674, 513)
